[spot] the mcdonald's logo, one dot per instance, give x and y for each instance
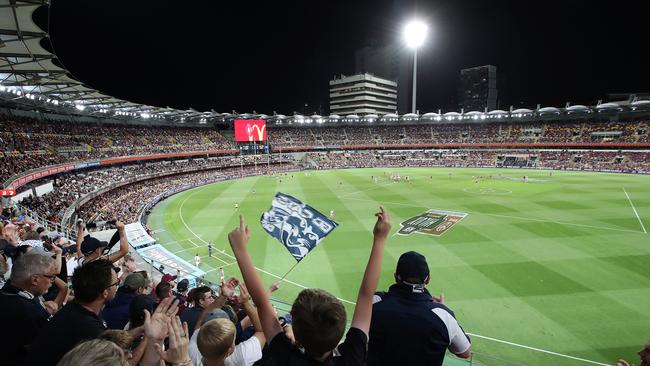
(250, 130)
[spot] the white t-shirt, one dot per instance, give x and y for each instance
(71, 264)
(197, 260)
(246, 353)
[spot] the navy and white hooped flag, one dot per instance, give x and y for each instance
(296, 225)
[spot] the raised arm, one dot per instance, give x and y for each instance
(80, 237)
(252, 315)
(124, 244)
(238, 241)
(63, 292)
(57, 259)
(363, 310)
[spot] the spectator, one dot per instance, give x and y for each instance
(125, 341)
(96, 352)
(23, 312)
(214, 339)
(163, 290)
(181, 294)
(202, 297)
(169, 278)
(164, 324)
(138, 305)
(318, 318)
(93, 285)
(3, 268)
(120, 337)
(90, 249)
(116, 311)
(409, 326)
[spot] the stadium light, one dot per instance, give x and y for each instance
(415, 33)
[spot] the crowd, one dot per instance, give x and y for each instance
(70, 186)
(27, 144)
(114, 314)
(615, 161)
(127, 201)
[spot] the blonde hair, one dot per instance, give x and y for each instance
(96, 352)
(215, 338)
(120, 337)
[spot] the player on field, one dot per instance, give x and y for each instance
(236, 206)
(331, 214)
(197, 260)
(209, 249)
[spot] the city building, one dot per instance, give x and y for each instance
(389, 62)
(362, 94)
(478, 88)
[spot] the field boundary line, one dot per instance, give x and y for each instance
(172, 242)
(180, 214)
(537, 349)
(511, 217)
(634, 209)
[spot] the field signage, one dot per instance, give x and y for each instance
(431, 222)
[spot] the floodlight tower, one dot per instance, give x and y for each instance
(415, 33)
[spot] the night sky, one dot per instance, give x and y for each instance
(279, 55)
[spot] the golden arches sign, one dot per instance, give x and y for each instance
(260, 132)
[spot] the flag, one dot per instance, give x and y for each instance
(298, 226)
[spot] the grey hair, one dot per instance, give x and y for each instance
(30, 264)
(96, 352)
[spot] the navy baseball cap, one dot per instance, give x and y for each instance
(89, 244)
(412, 265)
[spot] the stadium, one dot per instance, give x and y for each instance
(536, 227)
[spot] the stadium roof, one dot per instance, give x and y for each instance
(32, 77)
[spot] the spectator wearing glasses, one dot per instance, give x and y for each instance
(23, 311)
(202, 298)
(93, 285)
(116, 312)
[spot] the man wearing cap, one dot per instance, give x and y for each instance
(181, 294)
(116, 311)
(410, 326)
(90, 249)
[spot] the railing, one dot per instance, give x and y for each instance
(48, 225)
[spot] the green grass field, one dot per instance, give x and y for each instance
(559, 263)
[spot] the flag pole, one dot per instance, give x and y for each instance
(289, 271)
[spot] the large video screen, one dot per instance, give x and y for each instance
(250, 130)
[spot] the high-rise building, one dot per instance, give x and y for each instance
(389, 62)
(478, 88)
(362, 94)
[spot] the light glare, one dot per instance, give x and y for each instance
(415, 33)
